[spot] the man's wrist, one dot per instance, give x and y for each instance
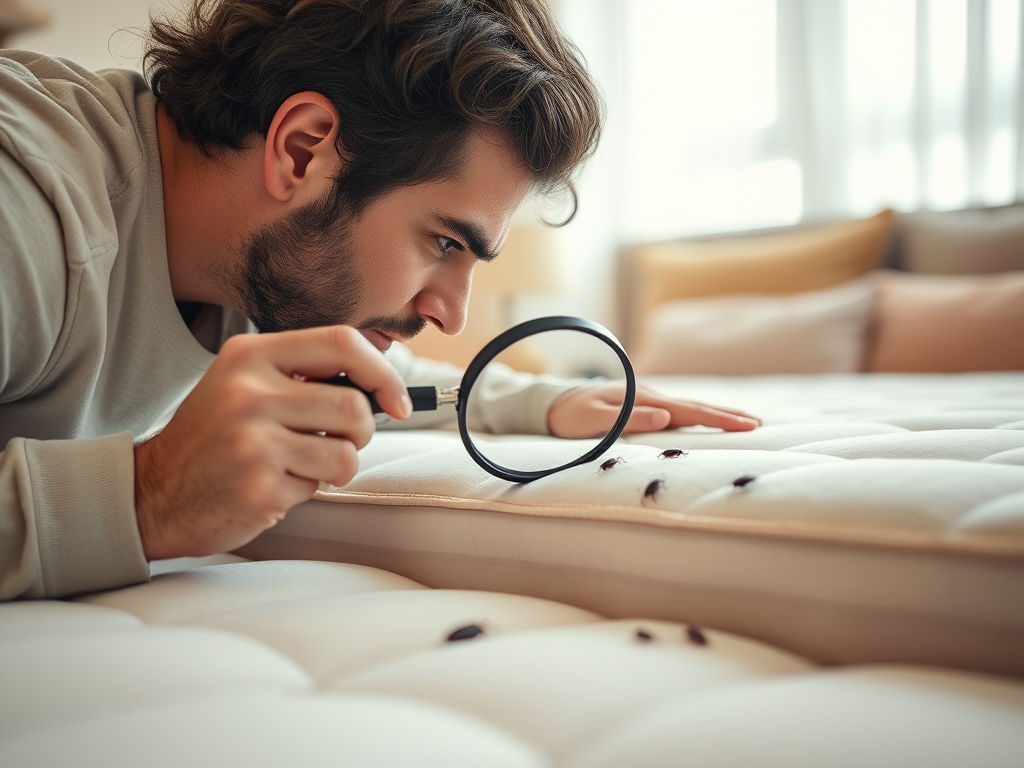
(148, 498)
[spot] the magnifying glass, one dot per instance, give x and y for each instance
(561, 338)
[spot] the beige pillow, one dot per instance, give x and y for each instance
(963, 242)
(948, 324)
(804, 259)
(812, 332)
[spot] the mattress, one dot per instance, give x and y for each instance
(884, 523)
(265, 664)
(859, 602)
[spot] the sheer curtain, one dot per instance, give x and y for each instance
(748, 113)
(908, 103)
(703, 146)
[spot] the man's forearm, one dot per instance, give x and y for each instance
(504, 401)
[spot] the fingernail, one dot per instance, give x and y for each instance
(406, 406)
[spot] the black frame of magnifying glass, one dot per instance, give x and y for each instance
(518, 333)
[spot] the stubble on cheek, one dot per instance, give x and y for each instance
(298, 273)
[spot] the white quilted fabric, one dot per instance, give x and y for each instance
(345, 665)
(860, 602)
(872, 497)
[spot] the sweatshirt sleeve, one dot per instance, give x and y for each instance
(67, 517)
(504, 401)
(67, 507)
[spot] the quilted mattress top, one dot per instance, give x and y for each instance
(861, 601)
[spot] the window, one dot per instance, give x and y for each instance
(749, 113)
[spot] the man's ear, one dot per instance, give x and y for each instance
(300, 155)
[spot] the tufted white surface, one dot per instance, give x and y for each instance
(884, 533)
(885, 523)
(356, 670)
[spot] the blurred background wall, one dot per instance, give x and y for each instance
(95, 33)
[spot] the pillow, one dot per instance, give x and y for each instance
(813, 332)
(804, 259)
(963, 242)
(948, 324)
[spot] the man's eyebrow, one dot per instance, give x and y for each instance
(470, 233)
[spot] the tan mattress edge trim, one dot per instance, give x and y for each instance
(988, 544)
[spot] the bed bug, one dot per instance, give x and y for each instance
(653, 489)
(673, 453)
(644, 636)
(744, 481)
(695, 636)
(609, 463)
(467, 632)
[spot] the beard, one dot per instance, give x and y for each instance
(300, 272)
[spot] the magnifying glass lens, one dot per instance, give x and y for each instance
(585, 361)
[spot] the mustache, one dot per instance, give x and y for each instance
(395, 326)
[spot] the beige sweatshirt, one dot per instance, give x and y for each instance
(93, 351)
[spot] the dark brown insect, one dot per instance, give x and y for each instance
(653, 489)
(644, 636)
(467, 632)
(695, 636)
(743, 482)
(673, 453)
(609, 463)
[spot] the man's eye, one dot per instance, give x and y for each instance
(447, 244)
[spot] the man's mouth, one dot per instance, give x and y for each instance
(380, 340)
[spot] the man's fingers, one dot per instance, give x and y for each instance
(316, 352)
(317, 458)
(681, 409)
(320, 353)
(712, 417)
(309, 406)
(647, 419)
(288, 491)
(653, 412)
(602, 418)
(735, 412)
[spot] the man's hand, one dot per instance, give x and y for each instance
(592, 411)
(243, 448)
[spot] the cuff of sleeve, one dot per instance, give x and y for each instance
(524, 412)
(84, 499)
(540, 398)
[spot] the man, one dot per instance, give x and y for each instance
(330, 170)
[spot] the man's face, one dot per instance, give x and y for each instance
(406, 260)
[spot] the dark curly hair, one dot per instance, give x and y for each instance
(410, 78)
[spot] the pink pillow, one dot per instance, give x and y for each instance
(948, 324)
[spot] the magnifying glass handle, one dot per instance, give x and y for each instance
(423, 398)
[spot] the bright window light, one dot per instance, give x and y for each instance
(947, 184)
(1003, 66)
(863, 104)
(701, 107)
(880, 74)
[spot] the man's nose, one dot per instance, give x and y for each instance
(445, 303)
